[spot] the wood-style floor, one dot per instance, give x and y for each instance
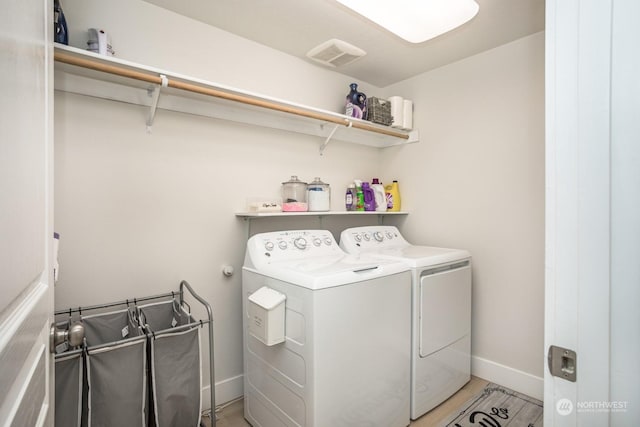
(232, 415)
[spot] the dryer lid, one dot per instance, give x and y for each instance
(386, 242)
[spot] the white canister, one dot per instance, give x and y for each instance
(319, 196)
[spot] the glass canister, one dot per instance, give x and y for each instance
(294, 195)
(319, 196)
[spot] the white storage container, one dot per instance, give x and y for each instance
(266, 314)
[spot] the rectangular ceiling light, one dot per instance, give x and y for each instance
(415, 21)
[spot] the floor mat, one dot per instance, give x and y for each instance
(497, 406)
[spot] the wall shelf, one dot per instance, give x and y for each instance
(252, 215)
(248, 217)
(86, 73)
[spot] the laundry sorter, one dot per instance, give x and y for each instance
(138, 365)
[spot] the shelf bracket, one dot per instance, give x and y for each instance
(348, 123)
(155, 97)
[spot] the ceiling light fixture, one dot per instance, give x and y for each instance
(416, 21)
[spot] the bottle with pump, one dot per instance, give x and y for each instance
(369, 198)
(379, 195)
(349, 198)
(393, 197)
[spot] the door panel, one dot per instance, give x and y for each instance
(26, 306)
(30, 411)
(577, 203)
(445, 309)
(625, 211)
(592, 205)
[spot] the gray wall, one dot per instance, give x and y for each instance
(476, 181)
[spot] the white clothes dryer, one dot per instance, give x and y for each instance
(441, 311)
(343, 358)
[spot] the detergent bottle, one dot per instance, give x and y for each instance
(379, 195)
(392, 192)
(359, 202)
(369, 198)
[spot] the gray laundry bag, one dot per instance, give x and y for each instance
(68, 386)
(175, 366)
(116, 365)
(110, 327)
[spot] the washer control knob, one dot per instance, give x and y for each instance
(317, 241)
(366, 237)
(269, 246)
(357, 237)
(328, 241)
(378, 236)
(389, 235)
(300, 243)
(282, 245)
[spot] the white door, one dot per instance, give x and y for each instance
(592, 211)
(26, 235)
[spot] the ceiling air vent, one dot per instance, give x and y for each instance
(335, 53)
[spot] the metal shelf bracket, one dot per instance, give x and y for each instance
(348, 124)
(154, 93)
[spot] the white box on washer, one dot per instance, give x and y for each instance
(266, 314)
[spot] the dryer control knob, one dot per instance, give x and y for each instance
(300, 243)
(327, 241)
(357, 238)
(269, 246)
(317, 241)
(366, 237)
(389, 235)
(378, 236)
(282, 244)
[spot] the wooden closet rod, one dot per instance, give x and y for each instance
(190, 87)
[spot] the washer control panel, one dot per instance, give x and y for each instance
(292, 245)
(359, 239)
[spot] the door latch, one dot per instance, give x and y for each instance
(562, 363)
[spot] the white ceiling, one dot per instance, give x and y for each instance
(296, 26)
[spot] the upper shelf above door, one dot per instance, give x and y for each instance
(83, 72)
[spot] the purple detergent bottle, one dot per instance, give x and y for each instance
(369, 197)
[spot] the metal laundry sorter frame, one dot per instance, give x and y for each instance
(146, 325)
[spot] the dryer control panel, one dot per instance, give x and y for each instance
(363, 239)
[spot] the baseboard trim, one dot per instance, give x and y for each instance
(226, 390)
(514, 379)
(520, 381)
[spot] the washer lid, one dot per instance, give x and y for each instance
(326, 272)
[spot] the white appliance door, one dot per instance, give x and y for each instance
(445, 306)
(26, 304)
(592, 211)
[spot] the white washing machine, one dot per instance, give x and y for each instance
(441, 311)
(342, 360)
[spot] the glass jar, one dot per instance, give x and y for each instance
(294, 195)
(319, 196)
